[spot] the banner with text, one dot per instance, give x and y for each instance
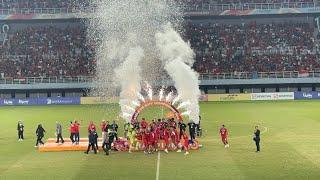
(307, 95)
(272, 96)
(229, 97)
(98, 100)
(40, 101)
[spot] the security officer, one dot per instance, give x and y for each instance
(20, 129)
(182, 127)
(40, 134)
(198, 128)
(192, 130)
(114, 126)
(256, 138)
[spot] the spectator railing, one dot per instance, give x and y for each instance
(36, 80)
(41, 11)
(246, 6)
(190, 8)
(260, 75)
(237, 75)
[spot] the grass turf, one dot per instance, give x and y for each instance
(290, 144)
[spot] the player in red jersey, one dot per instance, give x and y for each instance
(145, 136)
(151, 140)
(139, 139)
(185, 143)
(172, 123)
(91, 127)
(143, 123)
(157, 132)
(104, 130)
(165, 135)
(72, 132)
(76, 132)
(174, 137)
(224, 136)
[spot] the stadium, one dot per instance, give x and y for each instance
(159, 89)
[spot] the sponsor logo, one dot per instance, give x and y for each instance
(307, 95)
(8, 102)
(272, 96)
(49, 101)
(23, 101)
(61, 101)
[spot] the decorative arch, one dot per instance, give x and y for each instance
(149, 103)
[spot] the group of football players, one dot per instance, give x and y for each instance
(146, 136)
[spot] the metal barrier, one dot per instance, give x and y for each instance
(37, 80)
(238, 75)
(260, 75)
(190, 8)
(247, 6)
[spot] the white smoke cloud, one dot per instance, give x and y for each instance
(129, 77)
(178, 56)
(172, 46)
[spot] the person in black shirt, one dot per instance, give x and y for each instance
(192, 130)
(105, 142)
(96, 140)
(20, 129)
(198, 128)
(92, 139)
(107, 145)
(182, 127)
(114, 128)
(40, 134)
(256, 138)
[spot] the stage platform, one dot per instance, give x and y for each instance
(52, 146)
(119, 145)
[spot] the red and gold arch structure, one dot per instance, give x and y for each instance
(149, 103)
(175, 112)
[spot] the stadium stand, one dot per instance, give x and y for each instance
(46, 51)
(252, 47)
(19, 4)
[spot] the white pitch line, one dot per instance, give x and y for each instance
(158, 166)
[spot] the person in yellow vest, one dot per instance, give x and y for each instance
(132, 138)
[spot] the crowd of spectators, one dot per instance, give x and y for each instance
(43, 51)
(33, 4)
(226, 48)
(47, 51)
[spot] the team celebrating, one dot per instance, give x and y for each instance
(159, 134)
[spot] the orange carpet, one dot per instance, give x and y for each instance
(52, 146)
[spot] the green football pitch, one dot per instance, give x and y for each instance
(290, 143)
